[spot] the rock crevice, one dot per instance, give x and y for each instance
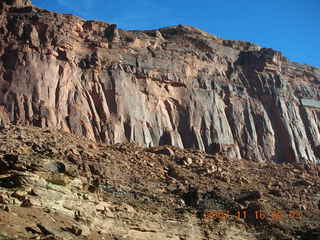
(176, 85)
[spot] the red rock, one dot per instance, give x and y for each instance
(210, 94)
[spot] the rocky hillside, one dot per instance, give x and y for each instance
(58, 186)
(177, 86)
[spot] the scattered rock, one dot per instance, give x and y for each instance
(12, 181)
(33, 192)
(4, 166)
(223, 177)
(191, 197)
(172, 172)
(78, 216)
(74, 230)
(19, 194)
(249, 196)
(303, 207)
(51, 238)
(255, 213)
(307, 234)
(32, 230)
(187, 161)
(133, 190)
(211, 169)
(4, 207)
(58, 167)
(8, 162)
(243, 180)
(302, 182)
(45, 229)
(72, 171)
(15, 201)
(4, 199)
(165, 151)
(26, 203)
(276, 192)
(58, 179)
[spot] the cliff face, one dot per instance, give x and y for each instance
(176, 85)
(56, 186)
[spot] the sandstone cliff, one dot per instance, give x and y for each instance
(176, 85)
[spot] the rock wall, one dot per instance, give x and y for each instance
(176, 85)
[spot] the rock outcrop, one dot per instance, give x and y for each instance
(55, 185)
(173, 86)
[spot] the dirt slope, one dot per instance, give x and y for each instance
(55, 185)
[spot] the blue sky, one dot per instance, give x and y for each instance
(291, 26)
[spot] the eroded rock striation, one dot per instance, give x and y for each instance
(176, 85)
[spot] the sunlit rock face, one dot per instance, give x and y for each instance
(176, 85)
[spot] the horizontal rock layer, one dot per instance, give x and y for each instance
(176, 85)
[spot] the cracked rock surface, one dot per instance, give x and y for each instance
(173, 86)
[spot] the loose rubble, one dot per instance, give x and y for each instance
(128, 192)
